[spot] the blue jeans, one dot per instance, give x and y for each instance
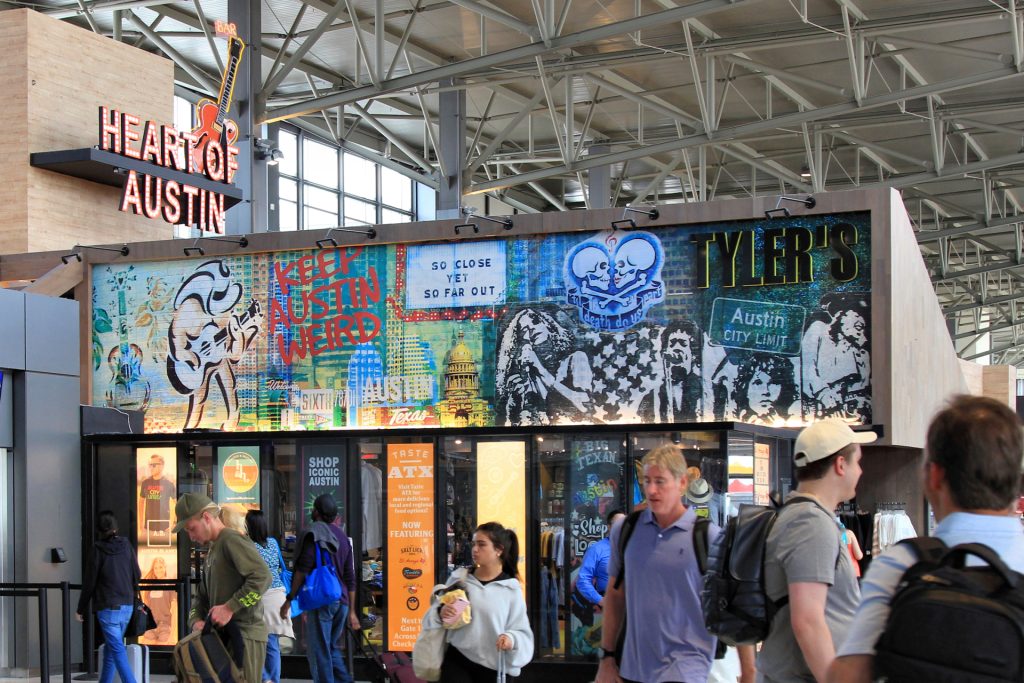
(272, 666)
(113, 622)
(324, 628)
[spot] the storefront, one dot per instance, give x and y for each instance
(411, 501)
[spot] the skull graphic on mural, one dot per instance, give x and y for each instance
(592, 266)
(632, 258)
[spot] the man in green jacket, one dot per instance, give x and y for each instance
(235, 578)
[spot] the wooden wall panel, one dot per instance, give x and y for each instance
(55, 75)
(925, 371)
(1000, 383)
(14, 132)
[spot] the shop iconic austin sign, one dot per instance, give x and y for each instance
(208, 149)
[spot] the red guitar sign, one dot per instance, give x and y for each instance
(211, 116)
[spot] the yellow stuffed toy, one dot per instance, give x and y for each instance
(458, 598)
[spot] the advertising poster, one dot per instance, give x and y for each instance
(410, 539)
(757, 321)
(157, 554)
(238, 475)
(157, 481)
(597, 474)
(762, 473)
(322, 471)
(501, 490)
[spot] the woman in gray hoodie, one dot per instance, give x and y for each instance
(498, 638)
(110, 586)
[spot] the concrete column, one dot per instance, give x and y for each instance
(453, 150)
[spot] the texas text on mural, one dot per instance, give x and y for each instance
(613, 282)
(166, 146)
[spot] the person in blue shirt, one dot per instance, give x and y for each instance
(972, 478)
(593, 575)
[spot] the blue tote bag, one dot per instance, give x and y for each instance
(322, 586)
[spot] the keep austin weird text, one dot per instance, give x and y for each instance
(163, 145)
(323, 313)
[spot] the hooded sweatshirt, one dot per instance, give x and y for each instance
(498, 608)
(111, 580)
(340, 548)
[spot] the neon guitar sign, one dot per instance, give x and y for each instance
(208, 149)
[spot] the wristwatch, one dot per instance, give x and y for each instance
(605, 654)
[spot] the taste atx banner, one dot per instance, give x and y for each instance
(410, 475)
(761, 321)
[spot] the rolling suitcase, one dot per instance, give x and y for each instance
(138, 660)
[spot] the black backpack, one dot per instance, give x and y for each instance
(735, 605)
(951, 623)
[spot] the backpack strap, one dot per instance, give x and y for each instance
(927, 548)
(700, 542)
(628, 525)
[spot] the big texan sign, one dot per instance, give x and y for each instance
(207, 149)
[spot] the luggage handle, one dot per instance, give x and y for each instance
(957, 556)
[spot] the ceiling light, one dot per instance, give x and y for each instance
(805, 171)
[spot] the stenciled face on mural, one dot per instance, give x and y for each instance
(678, 349)
(853, 329)
(762, 393)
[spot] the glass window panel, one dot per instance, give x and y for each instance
(182, 114)
(389, 216)
(319, 163)
(288, 189)
(426, 202)
(360, 177)
(363, 212)
(395, 189)
(314, 218)
(319, 199)
(289, 146)
(288, 217)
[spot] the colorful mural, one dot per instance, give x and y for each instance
(762, 321)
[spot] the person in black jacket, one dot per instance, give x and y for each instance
(110, 586)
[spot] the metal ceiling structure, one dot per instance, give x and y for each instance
(681, 100)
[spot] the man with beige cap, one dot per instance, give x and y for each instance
(234, 579)
(808, 570)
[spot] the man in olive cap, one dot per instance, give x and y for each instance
(235, 578)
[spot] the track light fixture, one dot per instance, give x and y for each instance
(242, 242)
(475, 227)
(76, 252)
(809, 202)
(266, 150)
(624, 224)
(328, 241)
(651, 213)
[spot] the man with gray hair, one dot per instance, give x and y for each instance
(658, 598)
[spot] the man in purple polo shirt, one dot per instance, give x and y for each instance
(665, 637)
(325, 624)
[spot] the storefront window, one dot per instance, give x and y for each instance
(581, 480)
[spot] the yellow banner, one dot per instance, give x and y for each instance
(501, 490)
(410, 492)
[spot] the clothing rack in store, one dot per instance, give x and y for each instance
(891, 506)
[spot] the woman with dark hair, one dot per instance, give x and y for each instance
(765, 389)
(270, 551)
(498, 636)
(110, 586)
